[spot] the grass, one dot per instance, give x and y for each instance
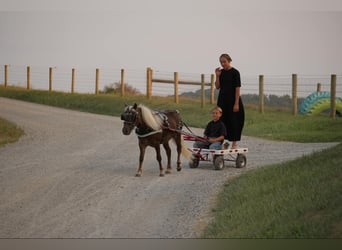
(280, 124)
(108, 104)
(9, 132)
(298, 199)
(275, 124)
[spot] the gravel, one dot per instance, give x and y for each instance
(73, 176)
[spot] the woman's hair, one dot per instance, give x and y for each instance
(227, 57)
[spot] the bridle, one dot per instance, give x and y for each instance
(129, 116)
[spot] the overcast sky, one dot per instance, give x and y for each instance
(262, 37)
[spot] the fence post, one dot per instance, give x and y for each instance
(72, 80)
(149, 83)
(202, 90)
(50, 79)
(261, 94)
(122, 82)
(294, 95)
(6, 76)
(28, 82)
(333, 97)
(175, 77)
(319, 87)
(97, 81)
(212, 89)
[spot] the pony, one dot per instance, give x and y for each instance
(154, 128)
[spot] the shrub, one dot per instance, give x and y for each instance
(116, 88)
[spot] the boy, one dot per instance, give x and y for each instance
(215, 132)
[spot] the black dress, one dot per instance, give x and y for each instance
(234, 121)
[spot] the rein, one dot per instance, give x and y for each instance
(148, 134)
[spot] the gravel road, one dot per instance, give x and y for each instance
(72, 176)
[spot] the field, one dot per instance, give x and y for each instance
(275, 124)
(297, 199)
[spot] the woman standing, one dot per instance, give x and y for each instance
(229, 100)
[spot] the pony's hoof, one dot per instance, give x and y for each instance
(168, 171)
(161, 175)
(179, 169)
(137, 175)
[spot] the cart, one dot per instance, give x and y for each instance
(218, 157)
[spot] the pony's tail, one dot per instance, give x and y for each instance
(185, 151)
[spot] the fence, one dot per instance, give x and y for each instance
(175, 81)
(155, 82)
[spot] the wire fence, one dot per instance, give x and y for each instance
(85, 81)
(281, 85)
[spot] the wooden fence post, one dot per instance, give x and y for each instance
(28, 76)
(175, 77)
(319, 87)
(212, 93)
(72, 80)
(122, 82)
(97, 81)
(50, 79)
(202, 90)
(6, 76)
(333, 97)
(149, 83)
(261, 94)
(294, 95)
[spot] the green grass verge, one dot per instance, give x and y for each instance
(275, 124)
(9, 132)
(280, 124)
(297, 199)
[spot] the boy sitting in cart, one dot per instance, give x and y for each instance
(214, 132)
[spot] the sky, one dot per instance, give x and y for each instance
(263, 37)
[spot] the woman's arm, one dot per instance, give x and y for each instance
(217, 82)
(237, 98)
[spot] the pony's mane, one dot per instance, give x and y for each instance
(150, 118)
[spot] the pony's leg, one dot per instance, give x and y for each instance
(179, 151)
(168, 153)
(159, 160)
(141, 159)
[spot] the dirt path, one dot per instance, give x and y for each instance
(72, 176)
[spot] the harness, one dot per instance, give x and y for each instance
(166, 125)
(146, 132)
(163, 116)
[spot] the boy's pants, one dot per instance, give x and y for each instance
(215, 145)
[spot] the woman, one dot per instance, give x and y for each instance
(229, 100)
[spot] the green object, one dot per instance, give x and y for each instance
(317, 102)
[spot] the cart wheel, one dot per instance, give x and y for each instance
(195, 162)
(241, 161)
(219, 162)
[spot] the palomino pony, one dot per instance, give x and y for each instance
(154, 128)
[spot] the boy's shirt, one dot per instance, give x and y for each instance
(215, 129)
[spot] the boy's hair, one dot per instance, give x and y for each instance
(217, 108)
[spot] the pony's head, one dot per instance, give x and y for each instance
(130, 118)
(139, 115)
